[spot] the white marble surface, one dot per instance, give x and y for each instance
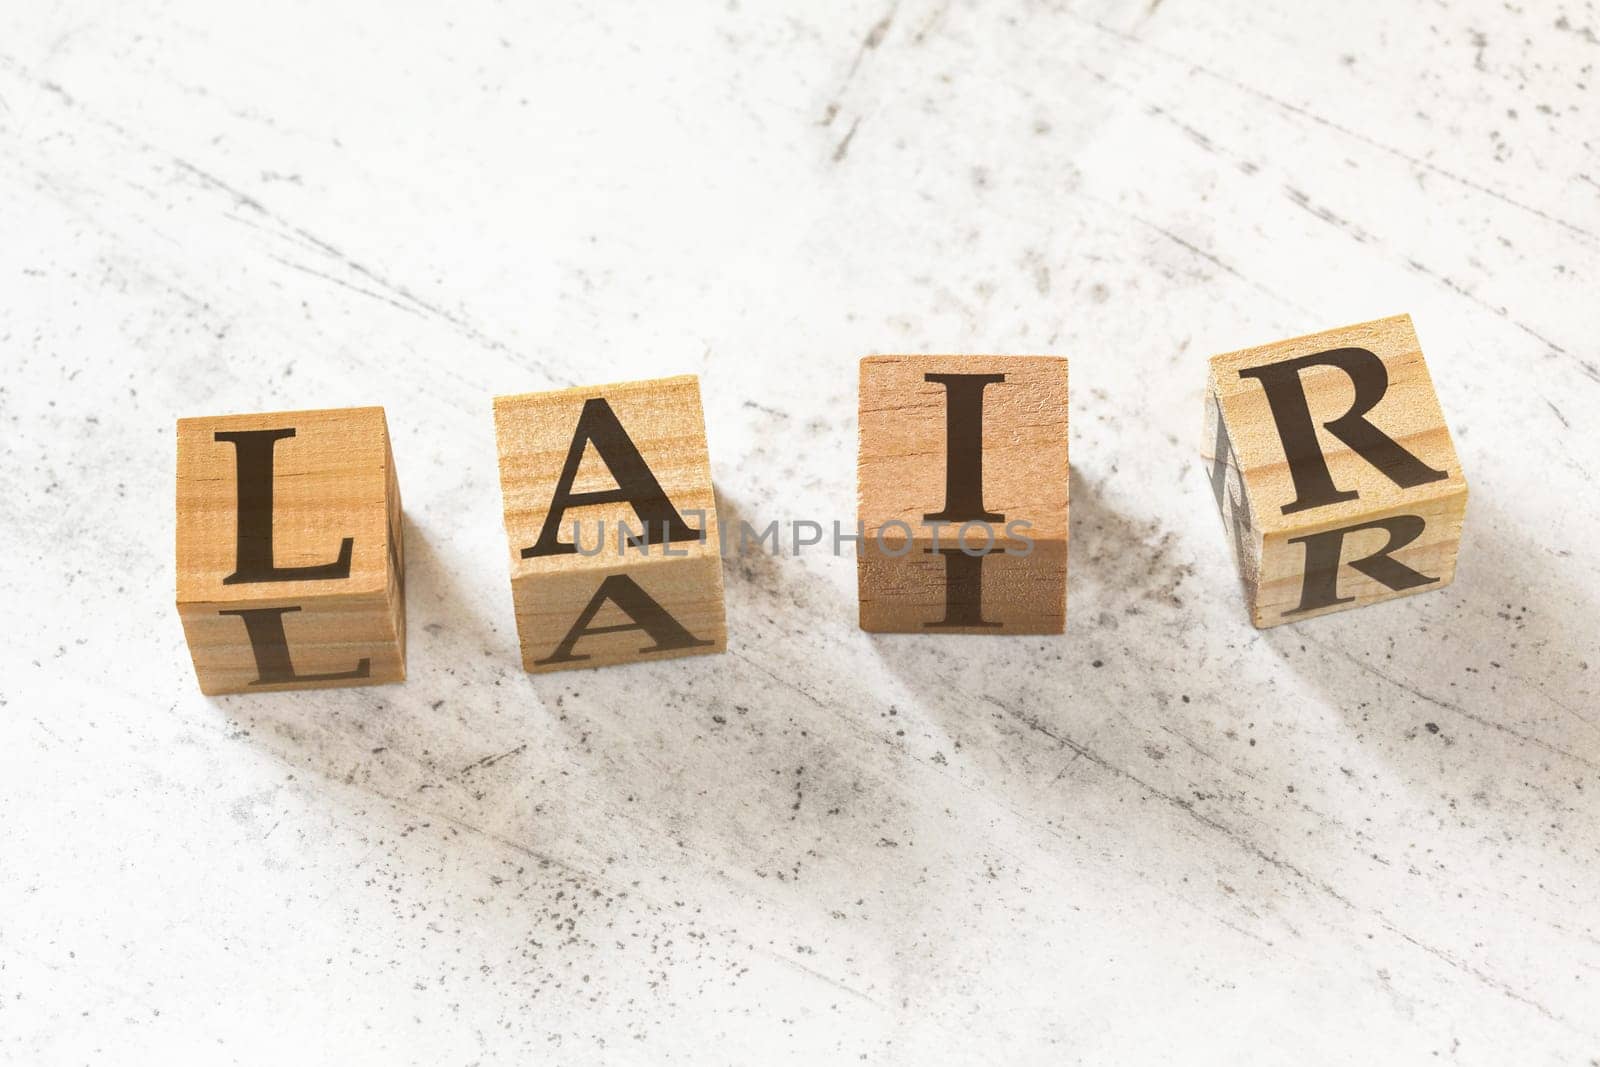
(1164, 837)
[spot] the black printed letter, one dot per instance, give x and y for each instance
(635, 484)
(1225, 458)
(667, 633)
(963, 592)
(253, 460)
(1286, 396)
(271, 648)
(1320, 588)
(963, 449)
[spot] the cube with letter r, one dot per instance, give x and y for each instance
(1333, 469)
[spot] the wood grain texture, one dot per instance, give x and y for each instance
(664, 426)
(332, 480)
(1272, 523)
(905, 562)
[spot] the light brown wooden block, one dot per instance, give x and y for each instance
(1334, 471)
(949, 442)
(291, 572)
(581, 468)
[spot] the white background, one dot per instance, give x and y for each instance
(1164, 837)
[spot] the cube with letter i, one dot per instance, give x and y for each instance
(612, 524)
(1334, 471)
(290, 569)
(962, 494)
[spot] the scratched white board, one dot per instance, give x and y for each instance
(1164, 836)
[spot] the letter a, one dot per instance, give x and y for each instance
(636, 485)
(647, 615)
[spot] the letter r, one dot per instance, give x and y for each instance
(1308, 467)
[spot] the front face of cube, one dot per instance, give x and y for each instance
(962, 484)
(289, 550)
(1334, 471)
(612, 524)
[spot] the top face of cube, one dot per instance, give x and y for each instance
(1002, 419)
(1331, 426)
(268, 503)
(604, 462)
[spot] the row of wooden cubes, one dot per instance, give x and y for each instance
(1328, 455)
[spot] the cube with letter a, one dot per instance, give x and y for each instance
(291, 573)
(612, 524)
(1333, 470)
(962, 494)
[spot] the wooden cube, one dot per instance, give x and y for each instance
(962, 494)
(612, 523)
(1333, 470)
(291, 573)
